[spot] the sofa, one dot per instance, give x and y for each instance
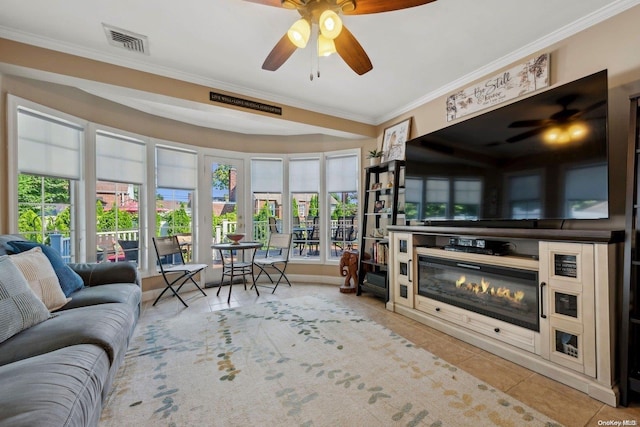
(58, 369)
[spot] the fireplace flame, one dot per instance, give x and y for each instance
(485, 288)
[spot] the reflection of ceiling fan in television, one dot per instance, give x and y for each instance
(564, 126)
(333, 36)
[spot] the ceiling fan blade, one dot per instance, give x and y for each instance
(525, 135)
(364, 7)
(531, 123)
(276, 3)
(352, 52)
(590, 108)
(279, 54)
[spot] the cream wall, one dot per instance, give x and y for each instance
(611, 44)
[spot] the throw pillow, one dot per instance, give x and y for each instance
(42, 280)
(69, 280)
(20, 308)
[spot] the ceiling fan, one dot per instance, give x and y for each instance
(563, 124)
(333, 36)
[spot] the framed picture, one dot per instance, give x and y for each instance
(379, 206)
(394, 139)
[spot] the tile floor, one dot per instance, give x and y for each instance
(564, 404)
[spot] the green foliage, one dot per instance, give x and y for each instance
(229, 216)
(61, 223)
(294, 207)
(30, 224)
(313, 206)
(178, 221)
(220, 177)
(113, 219)
(347, 205)
(36, 190)
(263, 214)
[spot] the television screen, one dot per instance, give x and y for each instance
(543, 157)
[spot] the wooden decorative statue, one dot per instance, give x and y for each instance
(349, 270)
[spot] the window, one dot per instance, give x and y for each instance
(413, 207)
(48, 152)
(304, 185)
(266, 189)
(175, 188)
(120, 172)
(467, 197)
(437, 198)
(582, 198)
(342, 174)
(525, 196)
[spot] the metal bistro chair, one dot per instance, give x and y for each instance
(344, 235)
(169, 248)
(276, 258)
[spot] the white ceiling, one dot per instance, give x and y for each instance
(417, 54)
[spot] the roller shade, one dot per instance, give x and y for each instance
(525, 187)
(266, 176)
(119, 159)
(438, 190)
(48, 146)
(580, 183)
(304, 175)
(176, 168)
(342, 174)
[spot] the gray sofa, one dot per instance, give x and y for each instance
(59, 372)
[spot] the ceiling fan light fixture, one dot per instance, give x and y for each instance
(330, 24)
(326, 46)
(299, 33)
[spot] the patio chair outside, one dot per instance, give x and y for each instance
(276, 258)
(168, 248)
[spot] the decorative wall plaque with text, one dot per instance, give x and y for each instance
(512, 83)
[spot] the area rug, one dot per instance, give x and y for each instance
(297, 362)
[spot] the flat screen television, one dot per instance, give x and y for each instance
(541, 158)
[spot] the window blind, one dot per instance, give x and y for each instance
(266, 176)
(342, 174)
(119, 159)
(304, 175)
(48, 146)
(176, 168)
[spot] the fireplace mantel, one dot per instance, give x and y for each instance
(577, 266)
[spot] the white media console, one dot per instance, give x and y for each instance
(569, 330)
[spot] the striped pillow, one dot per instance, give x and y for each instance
(19, 307)
(41, 277)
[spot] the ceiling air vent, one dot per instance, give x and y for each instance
(126, 39)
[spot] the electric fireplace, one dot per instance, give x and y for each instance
(507, 294)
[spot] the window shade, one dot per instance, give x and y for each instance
(47, 146)
(266, 176)
(580, 183)
(467, 191)
(119, 159)
(414, 187)
(176, 168)
(304, 175)
(342, 174)
(438, 190)
(524, 187)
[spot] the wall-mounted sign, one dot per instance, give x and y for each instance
(244, 103)
(512, 83)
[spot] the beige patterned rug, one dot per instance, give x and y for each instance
(298, 362)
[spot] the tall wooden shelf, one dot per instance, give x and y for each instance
(630, 320)
(383, 183)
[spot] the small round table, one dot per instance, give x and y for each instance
(234, 267)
